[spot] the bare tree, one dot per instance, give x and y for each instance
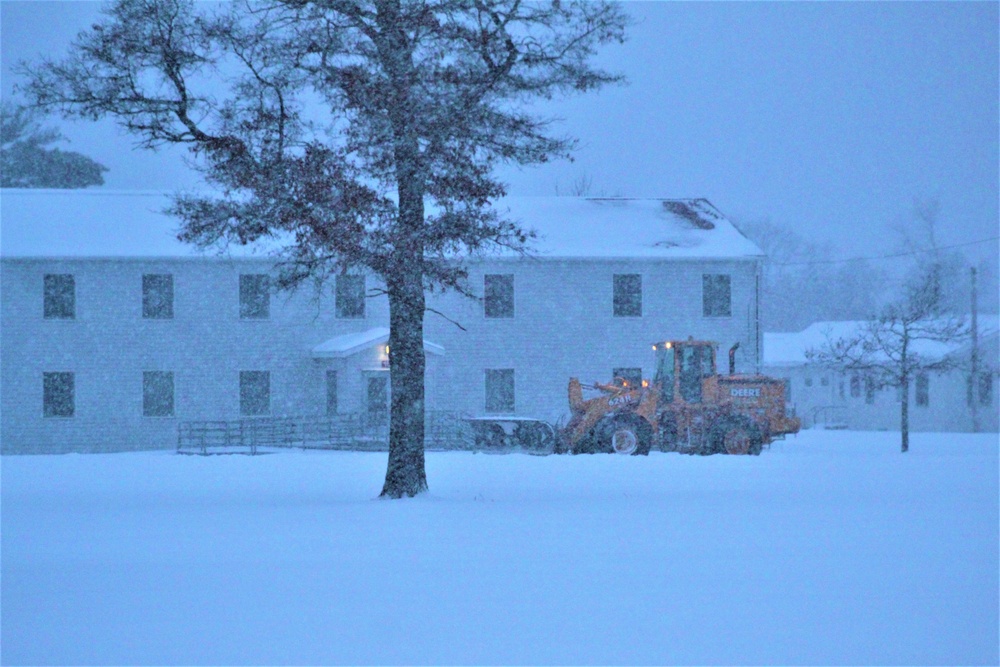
(921, 238)
(891, 350)
(802, 283)
(581, 186)
(331, 125)
(27, 159)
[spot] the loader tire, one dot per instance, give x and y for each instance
(668, 433)
(626, 434)
(736, 435)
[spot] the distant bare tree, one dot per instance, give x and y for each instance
(802, 283)
(884, 348)
(921, 236)
(581, 186)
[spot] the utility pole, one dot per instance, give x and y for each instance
(974, 366)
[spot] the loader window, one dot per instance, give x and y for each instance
(633, 376)
(696, 363)
(665, 373)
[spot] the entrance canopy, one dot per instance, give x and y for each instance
(350, 344)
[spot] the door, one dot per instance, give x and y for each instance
(376, 386)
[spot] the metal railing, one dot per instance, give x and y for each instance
(830, 416)
(351, 431)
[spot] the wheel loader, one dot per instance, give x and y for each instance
(687, 407)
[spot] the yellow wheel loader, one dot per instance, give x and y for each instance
(687, 407)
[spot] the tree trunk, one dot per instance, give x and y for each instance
(405, 475)
(904, 414)
(904, 410)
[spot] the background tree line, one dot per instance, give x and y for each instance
(805, 281)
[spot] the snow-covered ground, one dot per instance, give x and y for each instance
(832, 547)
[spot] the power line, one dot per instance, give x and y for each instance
(897, 255)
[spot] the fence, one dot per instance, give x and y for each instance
(830, 417)
(352, 431)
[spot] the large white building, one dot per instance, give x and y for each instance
(951, 401)
(112, 332)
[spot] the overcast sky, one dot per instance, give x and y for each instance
(830, 118)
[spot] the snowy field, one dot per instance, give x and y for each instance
(831, 548)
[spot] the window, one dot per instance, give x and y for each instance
(500, 390)
(255, 393)
(351, 297)
(824, 380)
(158, 296)
(157, 394)
(695, 366)
(809, 381)
(58, 398)
(60, 296)
(498, 290)
(633, 376)
(628, 295)
(869, 390)
(255, 296)
(985, 388)
(716, 295)
(787, 382)
(840, 390)
(331, 392)
(923, 394)
(855, 386)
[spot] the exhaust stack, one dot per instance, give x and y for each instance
(732, 358)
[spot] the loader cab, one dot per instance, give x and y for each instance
(680, 368)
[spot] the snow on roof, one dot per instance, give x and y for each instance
(87, 223)
(347, 345)
(112, 223)
(93, 223)
(632, 228)
(789, 349)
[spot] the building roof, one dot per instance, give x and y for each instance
(111, 223)
(574, 227)
(789, 348)
(350, 344)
